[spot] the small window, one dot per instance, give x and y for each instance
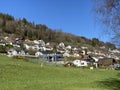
(82, 63)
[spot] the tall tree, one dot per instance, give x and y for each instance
(95, 42)
(108, 13)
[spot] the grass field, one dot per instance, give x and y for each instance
(20, 75)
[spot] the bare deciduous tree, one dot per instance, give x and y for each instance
(108, 13)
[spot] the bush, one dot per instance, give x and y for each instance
(2, 49)
(21, 57)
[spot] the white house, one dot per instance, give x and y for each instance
(48, 44)
(80, 63)
(35, 47)
(36, 42)
(115, 51)
(38, 54)
(83, 47)
(61, 45)
(16, 45)
(68, 47)
(66, 54)
(41, 43)
(12, 52)
(2, 44)
(26, 46)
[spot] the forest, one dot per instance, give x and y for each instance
(22, 28)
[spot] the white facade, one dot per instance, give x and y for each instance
(80, 63)
(12, 52)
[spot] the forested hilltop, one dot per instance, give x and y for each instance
(21, 28)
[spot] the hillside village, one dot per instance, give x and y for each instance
(40, 48)
(60, 45)
(18, 37)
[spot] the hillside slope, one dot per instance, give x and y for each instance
(21, 28)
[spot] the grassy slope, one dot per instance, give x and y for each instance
(20, 75)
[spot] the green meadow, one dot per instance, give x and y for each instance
(21, 75)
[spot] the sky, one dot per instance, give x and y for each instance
(70, 16)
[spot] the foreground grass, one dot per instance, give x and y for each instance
(21, 75)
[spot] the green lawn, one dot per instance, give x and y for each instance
(20, 75)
